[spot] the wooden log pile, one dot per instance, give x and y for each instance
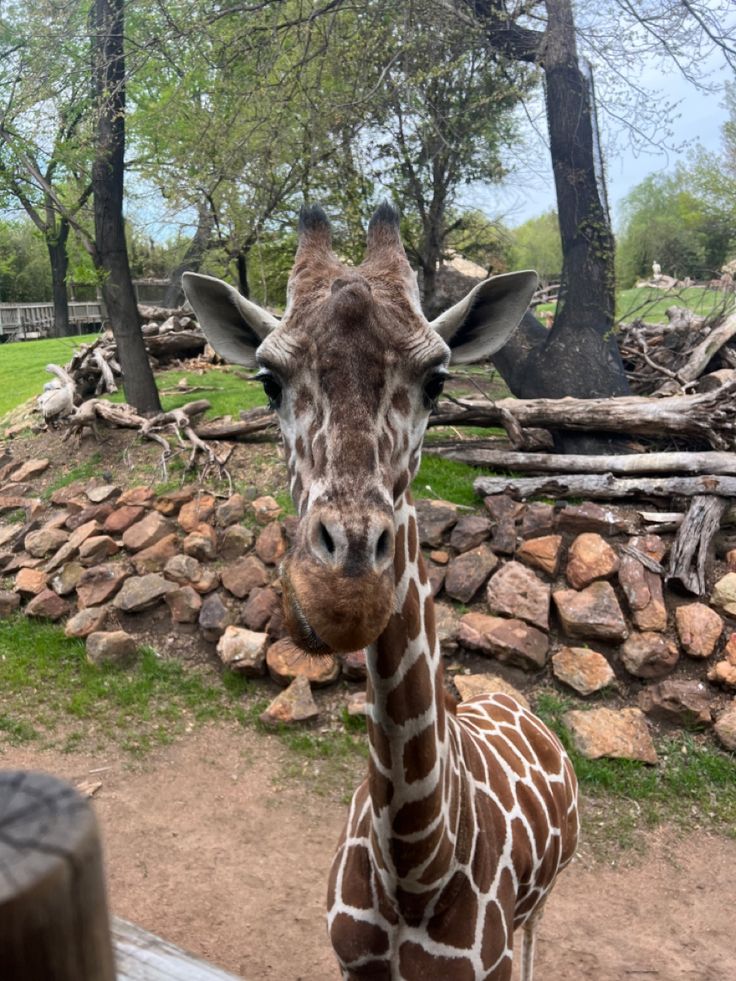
(169, 334)
(664, 359)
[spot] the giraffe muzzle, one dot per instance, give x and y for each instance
(327, 610)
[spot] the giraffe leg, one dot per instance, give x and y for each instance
(528, 944)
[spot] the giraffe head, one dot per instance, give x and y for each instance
(352, 370)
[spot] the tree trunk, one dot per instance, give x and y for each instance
(605, 487)
(579, 356)
(192, 259)
(56, 244)
(241, 261)
(108, 61)
(708, 416)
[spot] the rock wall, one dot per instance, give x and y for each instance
(568, 595)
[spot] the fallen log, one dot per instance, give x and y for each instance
(710, 416)
(257, 421)
(693, 543)
(605, 487)
(706, 350)
(181, 343)
(671, 463)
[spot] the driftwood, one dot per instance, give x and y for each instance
(605, 486)
(94, 368)
(701, 356)
(176, 422)
(710, 416)
(177, 344)
(668, 358)
(480, 456)
(254, 423)
(693, 543)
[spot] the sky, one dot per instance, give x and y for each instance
(699, 118)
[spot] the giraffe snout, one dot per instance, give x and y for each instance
(351, 550)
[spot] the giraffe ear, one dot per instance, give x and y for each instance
(485, 319)
(233, 325)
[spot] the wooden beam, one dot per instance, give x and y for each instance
(670, 463)
(605, 486)
(142, 956)
(53, 909)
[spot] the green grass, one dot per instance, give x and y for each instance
(22, 364)
(649, 304)
(693, 785)
(47, 686)
(49, 693)
(446, 480)
(227, 389)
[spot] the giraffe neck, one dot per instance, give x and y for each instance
(415, 800)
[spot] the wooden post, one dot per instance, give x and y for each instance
(54, 924)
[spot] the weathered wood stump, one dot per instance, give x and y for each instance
(54, 923)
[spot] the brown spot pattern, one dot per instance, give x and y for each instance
(417, 964)
(353, 939)
(412, 696)
(420, 755)
(412, 538)
(400, 553)
(410, 611)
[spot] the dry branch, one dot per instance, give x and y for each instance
(710, 416)
(605, 486)
(693, 543)
(700, 357)
(671, 463)
(255, 423)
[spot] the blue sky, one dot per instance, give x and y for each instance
(698, 118)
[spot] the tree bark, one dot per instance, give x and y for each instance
(628, 463)
(195, 253)
(709, 416)
(579, 356)
(108, 61)
(56, 244)
(605, 487)
(694, 543)
(241, 261)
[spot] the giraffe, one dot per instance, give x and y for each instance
(468, 812)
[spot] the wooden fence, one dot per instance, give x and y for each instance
(54, 921)
(26, 321)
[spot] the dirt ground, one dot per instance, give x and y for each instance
(208, 846)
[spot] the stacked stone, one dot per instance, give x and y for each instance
(551, 586)
(575, 591)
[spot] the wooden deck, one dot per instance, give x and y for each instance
(27, 321)
(142, 956)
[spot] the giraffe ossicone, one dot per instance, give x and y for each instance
(468, 812)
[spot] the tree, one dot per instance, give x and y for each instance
(437, 121)
(44, 176)
(24, 268)
(666, 220)
(110, 247)
(536, 245)
(579, 356)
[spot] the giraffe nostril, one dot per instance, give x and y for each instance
(327, 539)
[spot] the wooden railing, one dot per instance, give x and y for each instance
(54, 921)
(25, 320)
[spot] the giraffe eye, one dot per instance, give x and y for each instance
(433, 388)
(272, 388)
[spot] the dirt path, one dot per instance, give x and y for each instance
(205, 847)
